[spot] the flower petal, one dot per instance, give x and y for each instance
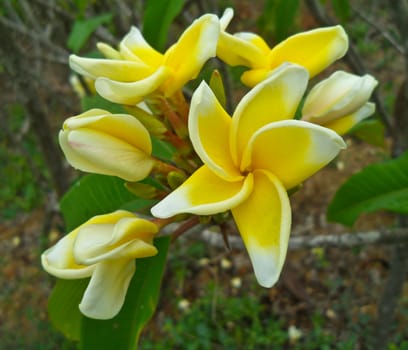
(292, 150)
(340, 94)
(243, 49)
(95, 152)
(264, 221)
(344, 124)
(204, 193)
(131, 93)
(106, 291)
(120, 70)
(226, 18)
(209, 129)
(59, 260)
(128, 238)
(315, 49)
(122, 126)
(275, 98)
(253, 76)
(135, 47)
(196, 45)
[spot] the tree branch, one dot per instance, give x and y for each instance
(345, 240)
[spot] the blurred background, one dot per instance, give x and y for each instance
(327, 298)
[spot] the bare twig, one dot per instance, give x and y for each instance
(345, 240)
(380, 30)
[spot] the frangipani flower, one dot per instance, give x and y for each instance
(340, 101)
(250, 161)
(137, 70)
(111, 144)
(314, 50)
(103, 248)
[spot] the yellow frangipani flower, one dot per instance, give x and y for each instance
(314, 50)
(250, 161)
(103, 248)
(110, 144)
(340, 101)
(136, 70)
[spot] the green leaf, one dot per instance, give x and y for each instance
(157, 18)
(93, 195)
(123, 331)
(63, 308)
(161, 149)
(82, 30)
(370, 131)
(96, 101)
(382, 186)
(217, 86)
(285, 17)
(342, 9)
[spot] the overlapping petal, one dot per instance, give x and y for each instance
(204, 193)
(209, 129)
(99, 153)
(122, 126)
(274, 99)
(186, 58)
(344, 124)
(242, 49)
(132, 92)
(115, 69)
(106, 291)
(337, 96)
(292, 150)
(135, 47)
(315, 49)
(264, 221)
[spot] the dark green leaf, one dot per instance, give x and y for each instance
(157, 18)
(63, 308)
(217, 86)
(96, 101)
(82, 30)
(342, 9)
(370, 131)
(93, 195)
(123, 331)
(285, 17)
(382, 186)
(161, 149)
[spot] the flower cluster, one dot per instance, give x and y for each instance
(242, 164)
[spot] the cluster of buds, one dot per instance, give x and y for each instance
(242, 164)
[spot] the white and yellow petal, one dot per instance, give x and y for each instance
(196, 45)
(96, 152)
(293, 150)
(243, 49)
(209, 129)
(315, 49)
(59, 260)
(339, 95)
(204, 193)
(135, 47)
(132, 92)
(226, 18)
(264, 221)
(115, 69)
(344, 124)
(106, 291)
(122, 126)
(129, 238)
(275, 98)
